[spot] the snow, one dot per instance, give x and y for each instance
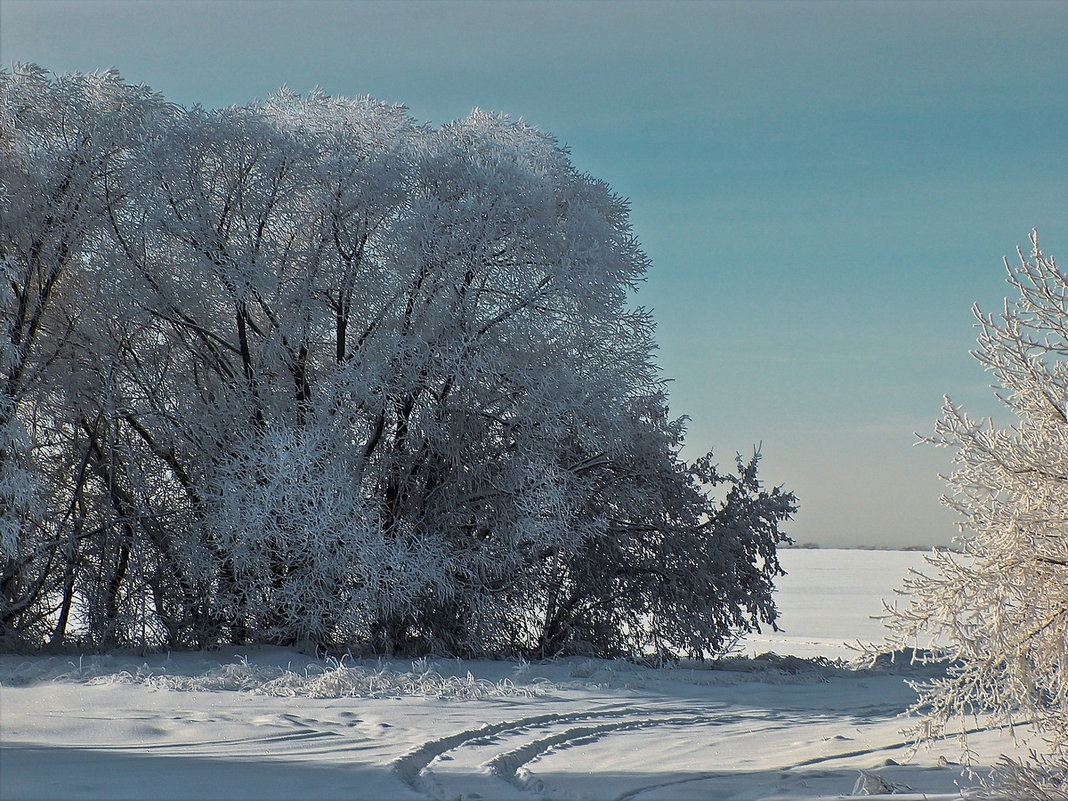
(830, 600)
(277, 724)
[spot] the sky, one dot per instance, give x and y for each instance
(824, 188)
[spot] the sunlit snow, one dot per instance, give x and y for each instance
(276, 724)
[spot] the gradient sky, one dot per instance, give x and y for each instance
(824, 188)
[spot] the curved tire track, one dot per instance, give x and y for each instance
(510, 765)
(413, 767)
(416, 768)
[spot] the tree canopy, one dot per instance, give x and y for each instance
(308, 371)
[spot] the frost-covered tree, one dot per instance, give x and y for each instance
(64, 147)
(1002, 602)
(332, 376)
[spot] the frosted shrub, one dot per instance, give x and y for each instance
(1003, 602)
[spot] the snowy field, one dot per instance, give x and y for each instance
(275, 724)
(830, 599)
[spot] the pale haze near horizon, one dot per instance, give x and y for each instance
(824, 188)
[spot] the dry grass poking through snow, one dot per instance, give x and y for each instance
(335, 679)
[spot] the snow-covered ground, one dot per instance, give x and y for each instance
(830, 600)
(275, 724)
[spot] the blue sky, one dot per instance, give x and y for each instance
(824, 188)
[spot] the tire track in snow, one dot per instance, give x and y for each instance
(511, 765)
(416, 768)
(412, 768)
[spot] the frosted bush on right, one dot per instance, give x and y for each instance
(1002, 603)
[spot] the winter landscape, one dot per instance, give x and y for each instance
(277, 724)
(349, 454)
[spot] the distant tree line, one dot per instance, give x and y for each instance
(305, 371)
